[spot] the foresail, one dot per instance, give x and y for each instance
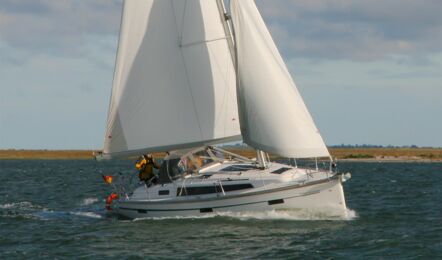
(273, 116)
(174, 81)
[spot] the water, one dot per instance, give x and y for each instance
(55, 209)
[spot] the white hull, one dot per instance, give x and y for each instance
(323, 196)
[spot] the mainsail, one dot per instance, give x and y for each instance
(174, 81)
(273, 116)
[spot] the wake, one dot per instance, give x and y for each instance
(289, 215)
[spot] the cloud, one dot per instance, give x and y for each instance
(58, 27)
(355, 30)
(320, 29)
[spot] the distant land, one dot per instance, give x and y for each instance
(45, 154)
(359, 153)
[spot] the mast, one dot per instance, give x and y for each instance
(230, 36)
(261, 159)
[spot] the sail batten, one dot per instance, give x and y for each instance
(173, 68)
(273, 116)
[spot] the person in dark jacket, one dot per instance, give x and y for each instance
(145, 165)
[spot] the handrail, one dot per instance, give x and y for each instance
(241, 158)
(183, 187)
(221, 185)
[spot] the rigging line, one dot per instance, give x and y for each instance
(182, 23)
(187, 73)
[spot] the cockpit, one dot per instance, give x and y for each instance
(179, 164)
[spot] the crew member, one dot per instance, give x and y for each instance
(193, 164)
(145, 165)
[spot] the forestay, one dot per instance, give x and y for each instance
(174, 82)
(272, 113)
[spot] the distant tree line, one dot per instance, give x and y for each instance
(413, 146)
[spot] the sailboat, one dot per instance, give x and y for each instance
(189, 76)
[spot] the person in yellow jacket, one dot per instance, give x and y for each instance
(145, 165)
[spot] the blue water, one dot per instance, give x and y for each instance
(55, 209)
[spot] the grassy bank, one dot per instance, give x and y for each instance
(375, 154)
(46, 154)
(385, 154)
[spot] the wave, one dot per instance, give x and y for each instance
(54, 215)
(88, 201)
(289, 214)
(26, 209)
(87, 214)
(22, 209)
(23, 205)
(177, 217)
(292, 214)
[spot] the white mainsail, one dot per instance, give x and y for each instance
(273, 116)
(174, 82)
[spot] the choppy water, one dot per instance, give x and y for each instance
(55, 209)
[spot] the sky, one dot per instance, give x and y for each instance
(370, 72)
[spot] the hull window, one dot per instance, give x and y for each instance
(281, 170)
(163, 192)
(207, 210)
(273, 202)
(238, 168)
(211, 189)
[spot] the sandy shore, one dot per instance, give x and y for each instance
(46, 154)
(342, 154)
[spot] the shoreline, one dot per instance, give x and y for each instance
(398, 160)
(426, 155)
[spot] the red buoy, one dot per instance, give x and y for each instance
(110, 199)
